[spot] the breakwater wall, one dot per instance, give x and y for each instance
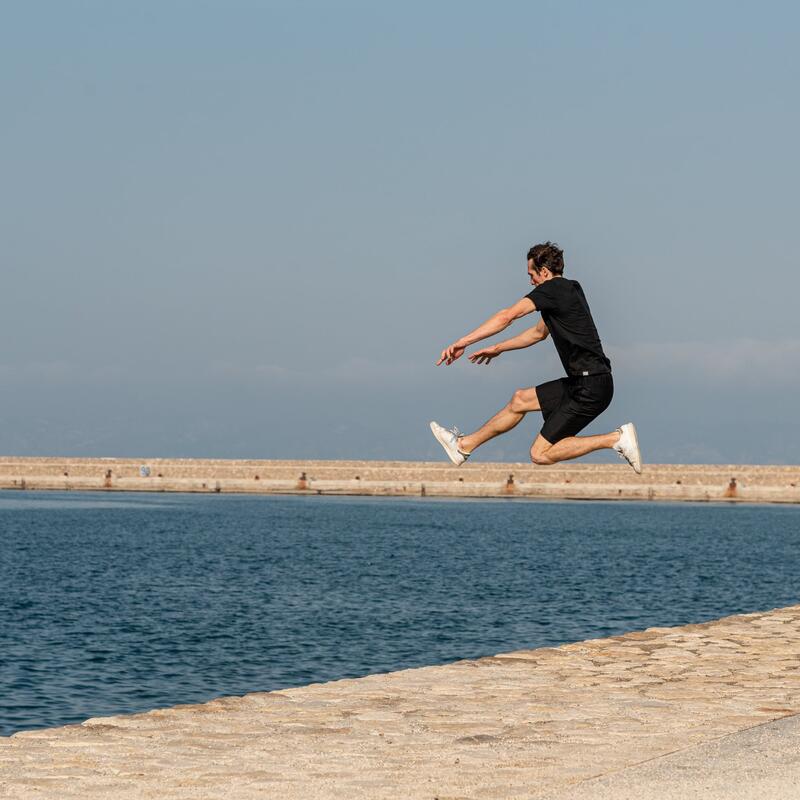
(579, 481)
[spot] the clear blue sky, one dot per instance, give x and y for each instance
(246, 229)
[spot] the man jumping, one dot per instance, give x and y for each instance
(568, 404)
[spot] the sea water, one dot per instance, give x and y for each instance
(114, 603)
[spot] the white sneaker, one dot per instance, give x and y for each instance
(449, 440)
(628, 446)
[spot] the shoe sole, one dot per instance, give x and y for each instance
(637, 465)
(435, 432)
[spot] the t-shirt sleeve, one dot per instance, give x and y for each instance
(542, 298)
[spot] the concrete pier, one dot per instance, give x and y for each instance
(580, 481)
(707, 711)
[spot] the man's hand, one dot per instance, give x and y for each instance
(451, 354)
(485, 356)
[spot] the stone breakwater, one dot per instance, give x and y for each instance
(554, 722)
(581, 481)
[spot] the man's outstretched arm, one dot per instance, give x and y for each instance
(527, 338)
(496, 323)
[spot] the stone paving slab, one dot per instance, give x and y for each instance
(761, 763)
(517, 725)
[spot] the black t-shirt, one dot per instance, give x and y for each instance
(566, 313)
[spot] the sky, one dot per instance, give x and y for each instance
(247, 229)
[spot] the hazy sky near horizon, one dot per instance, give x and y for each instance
(247, 229)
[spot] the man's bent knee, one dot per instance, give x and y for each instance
(524, 400)
(517, 402)
(539, 452)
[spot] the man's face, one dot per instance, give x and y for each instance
(536, 277)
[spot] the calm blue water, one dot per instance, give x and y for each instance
(118, 603)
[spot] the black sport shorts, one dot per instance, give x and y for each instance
(570, 404)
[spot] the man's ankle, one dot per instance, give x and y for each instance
(462, 446)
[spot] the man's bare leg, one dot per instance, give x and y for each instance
(543, 452)
(523, 401)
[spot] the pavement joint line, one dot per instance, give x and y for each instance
(688, 748)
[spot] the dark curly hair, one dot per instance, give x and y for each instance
(548, 255)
